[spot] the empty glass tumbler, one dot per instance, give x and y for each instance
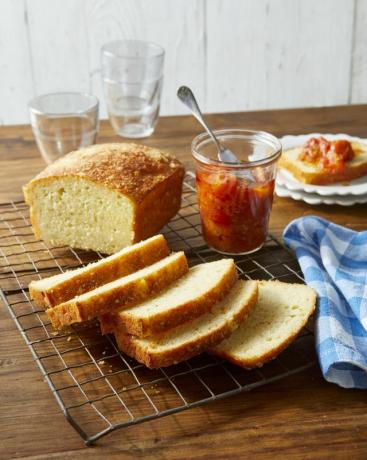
(62, 122)
(132, 74)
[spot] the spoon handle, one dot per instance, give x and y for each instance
(187, 97)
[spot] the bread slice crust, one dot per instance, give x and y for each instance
(310, 174)
(223, 350)
(149, 354)
(121, 293)
(85, 279)
(190, 308)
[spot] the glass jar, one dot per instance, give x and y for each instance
(235, 200)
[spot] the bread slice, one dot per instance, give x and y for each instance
(281, 312)
(191, 296)
(312, 174)
(121, 293)
(51, 291)
(193, 337)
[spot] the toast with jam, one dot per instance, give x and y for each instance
(323, 162)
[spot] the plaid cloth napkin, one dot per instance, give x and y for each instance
(334, 262)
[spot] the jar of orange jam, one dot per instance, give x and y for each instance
(235, 199)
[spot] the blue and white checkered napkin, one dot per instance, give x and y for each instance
(334, 262)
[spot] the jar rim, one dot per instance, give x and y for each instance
(92, 103)
(261, 136)
(158, 51)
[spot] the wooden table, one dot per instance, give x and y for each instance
(300, 417)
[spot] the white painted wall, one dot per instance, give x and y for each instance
(235, 54)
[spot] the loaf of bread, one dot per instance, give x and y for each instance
(281, 312)
(105, 197)
(56, 289)
(313, 174)
(193, 337)
(187, 298)
(121, 293)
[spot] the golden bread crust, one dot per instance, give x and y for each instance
(99, 274)
(37, 296)
(132, 169)
(159, 206)
(153, 360)
(125, 295)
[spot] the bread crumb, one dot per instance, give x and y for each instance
(102, 362)
(54, 333)
(69, 338)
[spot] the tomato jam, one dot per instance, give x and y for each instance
(329, 155)
(234, 211)
(235, 199)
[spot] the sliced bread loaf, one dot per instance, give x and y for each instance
(123, 292)
(193, 337)
(281, 312)
(191, 296)
(105, 197)
(51, 291)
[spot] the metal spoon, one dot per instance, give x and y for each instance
(187, 97)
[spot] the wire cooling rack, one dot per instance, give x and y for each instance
(98, 388)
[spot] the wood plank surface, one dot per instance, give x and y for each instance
(59, 48)
(162, 21)
(301, 417)
(236, 54)
(358, 84)
(274, 52)
(16, 72)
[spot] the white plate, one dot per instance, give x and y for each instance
(313, 198)
(286, 179)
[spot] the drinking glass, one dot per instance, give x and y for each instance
(132, 74)
(62, 122)
(235, 200)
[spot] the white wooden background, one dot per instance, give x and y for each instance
(235, 54)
